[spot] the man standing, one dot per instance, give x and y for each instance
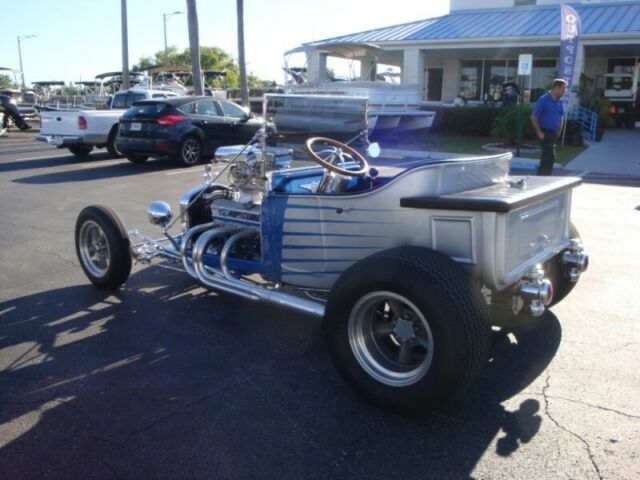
(547, 119)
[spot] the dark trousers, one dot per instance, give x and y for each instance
(548, 144)
(8, 109)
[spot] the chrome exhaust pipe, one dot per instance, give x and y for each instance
(534, 290)
(217, 280)
(575, 260)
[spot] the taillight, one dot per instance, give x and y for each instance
(82, 123)
(170, 119)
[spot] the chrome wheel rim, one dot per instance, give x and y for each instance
(390, 338)
(94, 249)
(191, 151)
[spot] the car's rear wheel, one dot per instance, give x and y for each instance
(80, 150)
(407, 329)
(136, 158)
(112, 146)
(103, 247)
(190, 151)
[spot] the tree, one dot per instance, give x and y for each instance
(71, 90)
(211, 58)
(194, 45)
(5, 81)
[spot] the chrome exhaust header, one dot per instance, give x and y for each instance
(222, 280)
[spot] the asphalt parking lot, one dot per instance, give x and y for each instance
(166, 380)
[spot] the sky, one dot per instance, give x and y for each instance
(78, 39)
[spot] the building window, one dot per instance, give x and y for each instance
(471, 79)
(542, 74)
(621, 65)
(522, 3)
(483, 79)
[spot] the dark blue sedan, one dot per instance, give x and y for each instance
(188, 129)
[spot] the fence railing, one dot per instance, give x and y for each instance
(588, 120)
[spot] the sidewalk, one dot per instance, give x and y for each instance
(617, 154)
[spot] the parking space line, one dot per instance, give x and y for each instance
(99, 163)
(26, 143)
(40, 157)
(187, 170)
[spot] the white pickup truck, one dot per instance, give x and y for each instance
(81, 130)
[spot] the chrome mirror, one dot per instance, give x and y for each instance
(374, 150)
(159, 213)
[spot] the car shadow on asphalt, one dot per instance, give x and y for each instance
(164, 379)
(99, 172)
(50, 162)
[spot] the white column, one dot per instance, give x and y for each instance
(413, 67)
(317, 67)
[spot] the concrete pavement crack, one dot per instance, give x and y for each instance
(623, 347)
(175, 412)
(565, 429)
(599, 407)
(111, 469)
(60, 257)
(28, 225)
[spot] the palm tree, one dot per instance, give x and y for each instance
(194, 45)
(243, 68)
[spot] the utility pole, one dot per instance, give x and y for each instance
(20, 40)
(165, 17)
(125, 45)
(244, 88)
(194, 45)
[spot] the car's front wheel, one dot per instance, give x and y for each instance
(103, 247)
(190, 151)
(407, 329)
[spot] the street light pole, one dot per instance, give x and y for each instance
(125, 44)
(165, 17)
(20, 40)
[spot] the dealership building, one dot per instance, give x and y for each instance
(474, 49)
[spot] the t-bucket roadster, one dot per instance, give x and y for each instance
(408, 263)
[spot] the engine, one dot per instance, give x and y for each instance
(251, 169)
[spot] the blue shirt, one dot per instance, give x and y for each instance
(549, 112)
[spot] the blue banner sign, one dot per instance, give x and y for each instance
(569, 35)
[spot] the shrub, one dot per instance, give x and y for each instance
(505, 124)
(471, 121)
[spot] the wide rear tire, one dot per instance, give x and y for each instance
(407, 329)
(103, 247)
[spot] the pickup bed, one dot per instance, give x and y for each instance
(82, 130)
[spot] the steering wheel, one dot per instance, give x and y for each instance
(336, 153)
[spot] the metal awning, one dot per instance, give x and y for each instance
(599, 20)
(348, 50)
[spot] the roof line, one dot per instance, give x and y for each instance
(406, 24)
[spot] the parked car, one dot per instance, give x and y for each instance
(188, 129)
(405, 262)
(82, 130)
